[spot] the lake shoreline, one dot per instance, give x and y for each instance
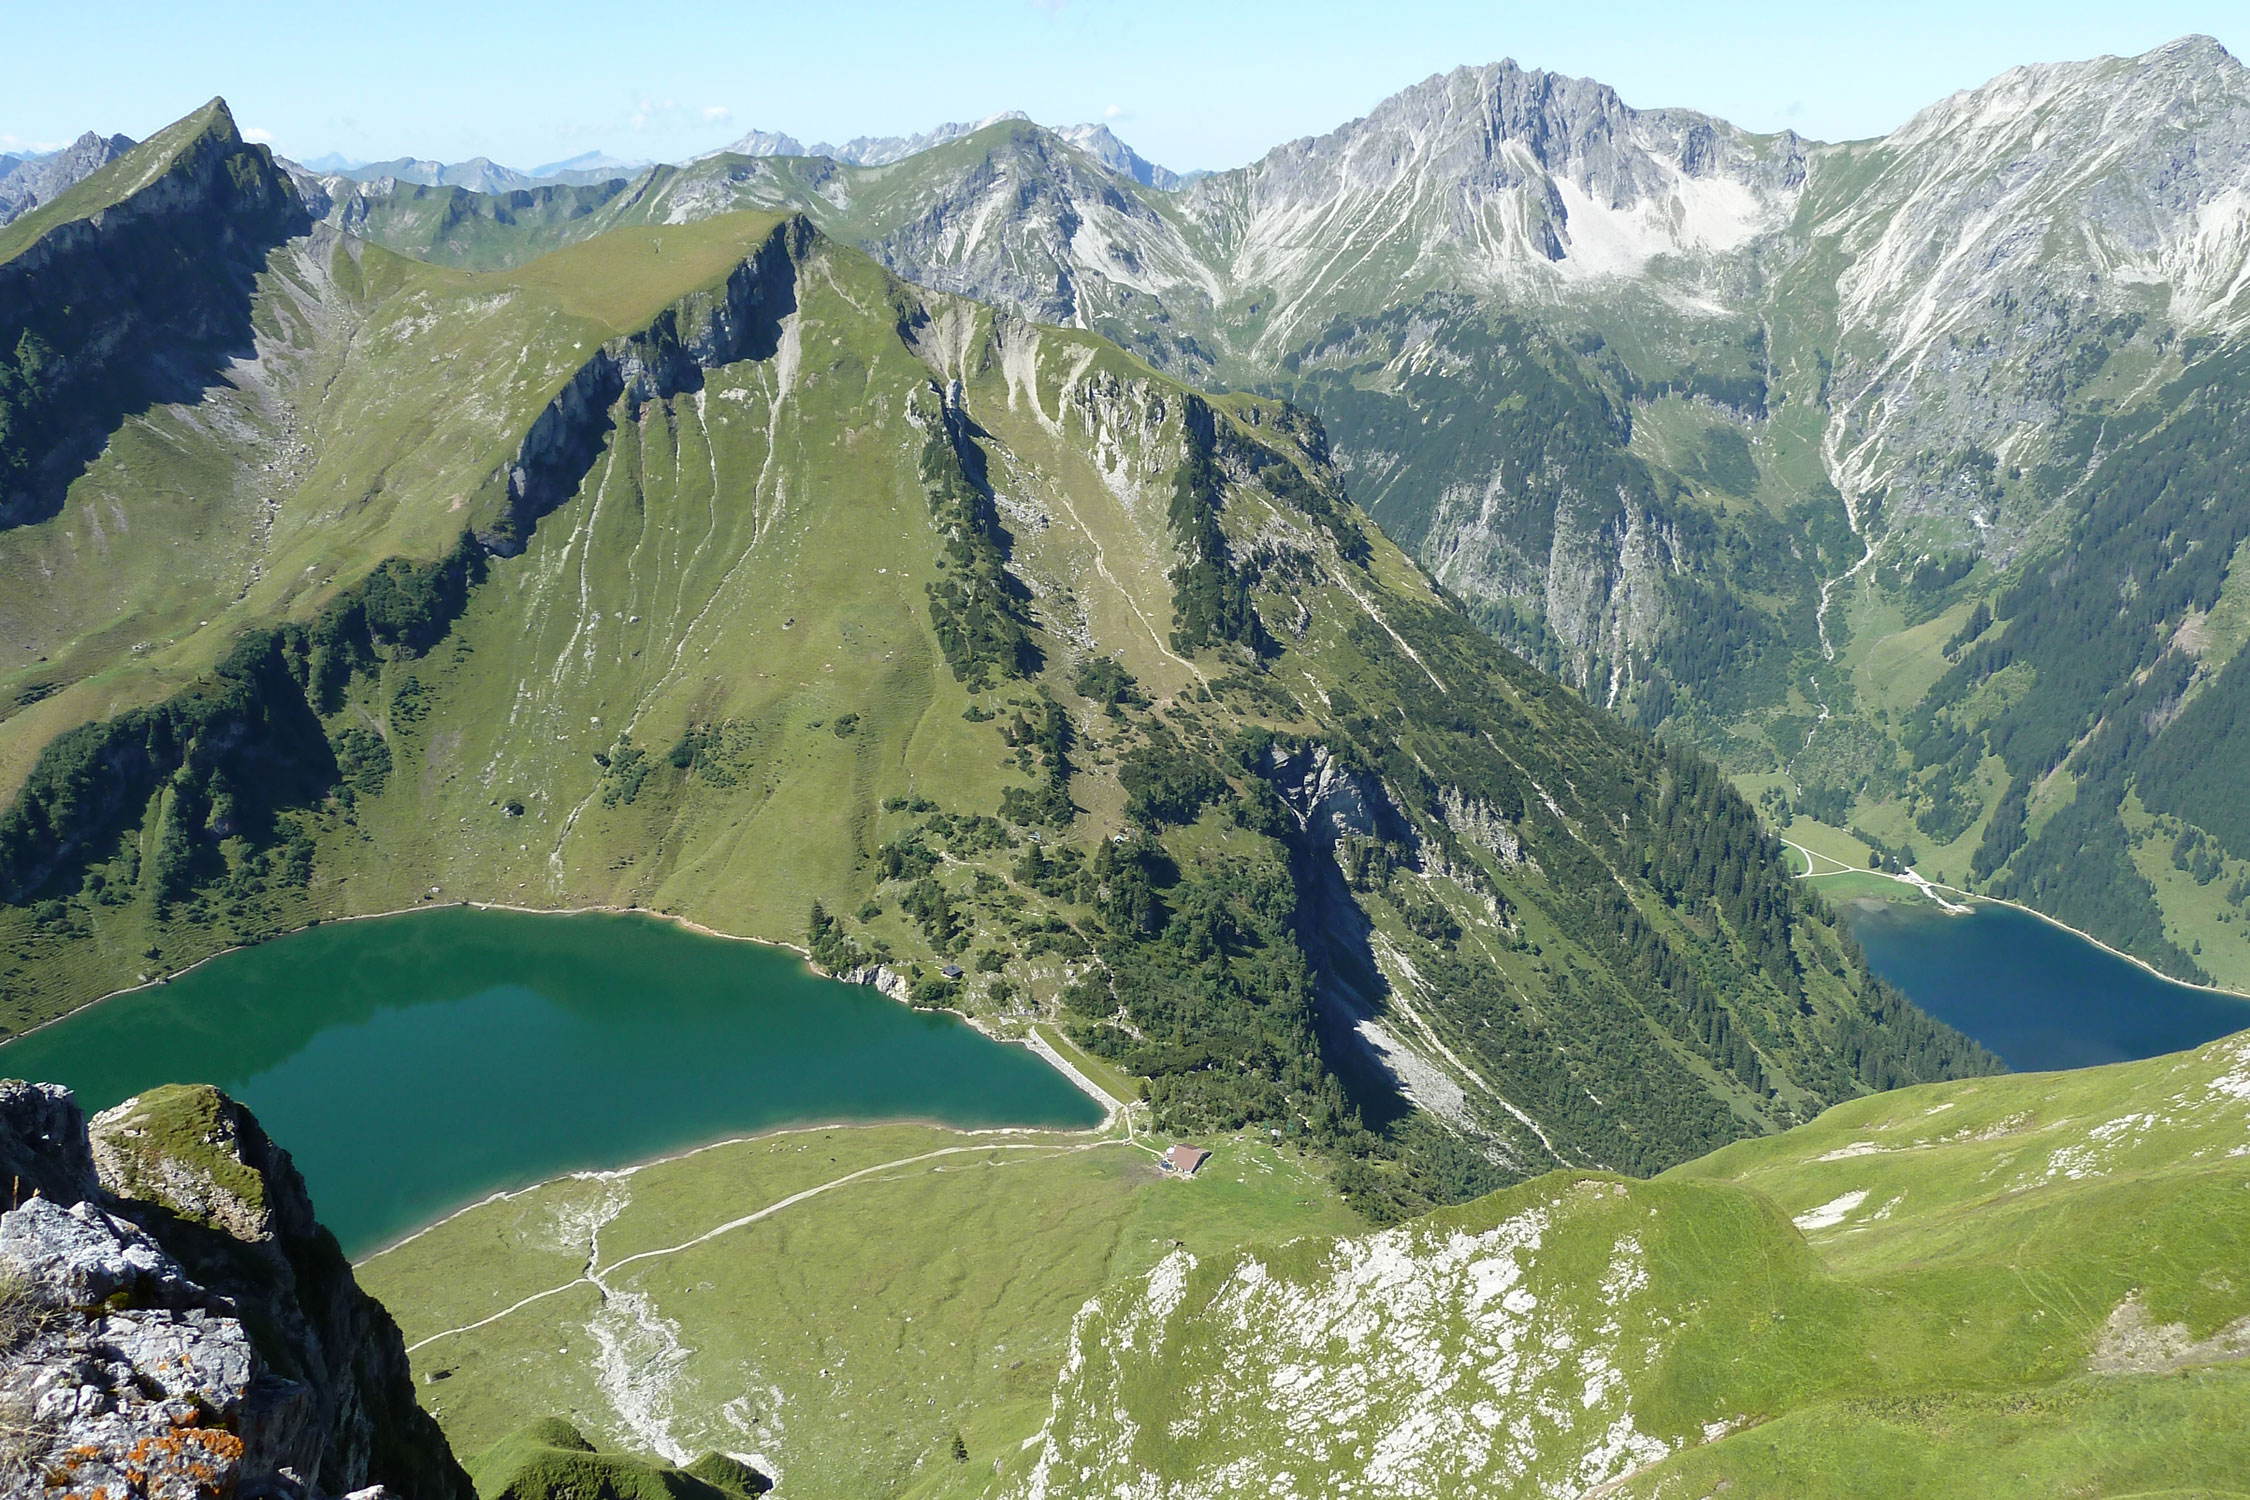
(1113, 1110)
(2037, 993)
(1975, 900)
(628, 1169)
(1915, 881)
(588, 1012)
(975, 1023)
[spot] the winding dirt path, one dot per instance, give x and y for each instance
(1914, 878)
(596, 1276)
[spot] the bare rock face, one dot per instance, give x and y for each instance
(175, 1323)
(43, 1144)
(26, 184)
(119, 1376)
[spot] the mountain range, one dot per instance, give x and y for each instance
(1783, 449)
(1344, 639)
(880, 151)
(483, 175)
(708, 566)
(1761, 442)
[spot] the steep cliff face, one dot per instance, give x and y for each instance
(135, 294)
(742, 319)
(2017, 261)
(177, 1324)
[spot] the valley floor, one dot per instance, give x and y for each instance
(2012, 1286)
(836, 1302)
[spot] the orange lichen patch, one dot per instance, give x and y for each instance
(204, 1457)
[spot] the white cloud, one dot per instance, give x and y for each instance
(671, 114)
(257, 137)
(1114, 112)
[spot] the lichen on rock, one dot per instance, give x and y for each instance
(175, 1324)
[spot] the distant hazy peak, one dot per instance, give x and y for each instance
(479, 174)
(765, 143)
(881, 150)
(1102, 144)
(28, 181)
(863, 150)
(1097, 141)
(601, 163)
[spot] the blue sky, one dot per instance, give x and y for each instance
(1212, 83)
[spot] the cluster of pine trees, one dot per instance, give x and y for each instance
(1211, 603)
(2097, 625)
(976, 607)
(223, 757)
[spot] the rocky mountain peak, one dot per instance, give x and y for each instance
(174, 1322)
(1100, 142)
(1510, 119)
(2029, 222)
(863, 150)
(1494, 178)
(31, 181)
(2177, 85)
(764, 143)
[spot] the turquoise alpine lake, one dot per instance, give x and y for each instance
(415, 1063)
(2038, 994)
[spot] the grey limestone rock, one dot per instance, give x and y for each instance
(43, 1144)
(82, 1256)
(126, 1361)
(32, 181)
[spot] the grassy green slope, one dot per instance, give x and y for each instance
(2028, 1285)
(383, 396)
(477, 231)
(385, 400)
(923, 1290)
(551, 1460)
(713, 683)
(2022, 1285)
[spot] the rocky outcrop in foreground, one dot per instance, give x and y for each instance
(174, 1324)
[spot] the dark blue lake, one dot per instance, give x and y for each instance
(2039, 995)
